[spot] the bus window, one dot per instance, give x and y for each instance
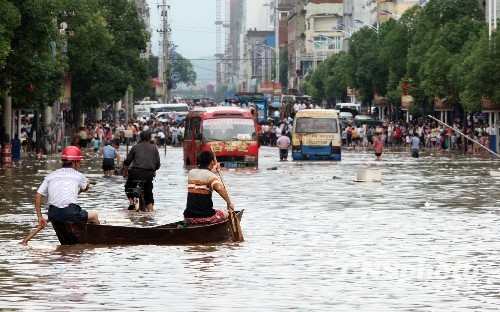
(228, 129)
(197, 126)
(188, 131)
(316, 125)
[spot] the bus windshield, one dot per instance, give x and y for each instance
(229, 129)
(316, 125)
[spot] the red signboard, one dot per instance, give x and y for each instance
(488, 106)
(266, 87)
(278, 87)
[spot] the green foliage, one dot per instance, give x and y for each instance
(441, 32)
(104, 53)
(10, 18)
(184, 68)
(478, 73)
(31, 72)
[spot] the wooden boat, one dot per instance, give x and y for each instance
(72, 233)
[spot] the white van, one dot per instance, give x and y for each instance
(346, 116)
(355, 106)
(180, 110)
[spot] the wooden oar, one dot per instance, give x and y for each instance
(32, 234)
(236, 233)
(462, 134)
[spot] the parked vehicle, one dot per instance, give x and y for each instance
(316, 135)
(142, 110)
(180, 110)
(346, 117)
(260, 101)
(365, 119)
(351, 106)
(230, 132)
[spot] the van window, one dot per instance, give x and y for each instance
(225, 129)
(316, 125)
(188, 131)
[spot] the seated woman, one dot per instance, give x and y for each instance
(201, 183)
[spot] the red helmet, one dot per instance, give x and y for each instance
(72, 153)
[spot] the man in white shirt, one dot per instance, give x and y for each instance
(297, 107)
(283, 144)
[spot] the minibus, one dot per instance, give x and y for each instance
(316, 135)
(230, 132)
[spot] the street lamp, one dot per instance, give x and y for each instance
(348, 27)
(334, 42)
(387, 12)
(265, 57)
(368, 25)
(347, 34)
(315, 61)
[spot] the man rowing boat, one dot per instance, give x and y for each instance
(201, 183)
(62, 188)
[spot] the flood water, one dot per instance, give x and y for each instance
(425, 239)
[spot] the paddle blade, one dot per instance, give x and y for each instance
(236, 233)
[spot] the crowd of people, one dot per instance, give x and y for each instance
(143, 160)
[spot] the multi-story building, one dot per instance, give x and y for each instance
(144, 13)
(310, 37)
(254, 52)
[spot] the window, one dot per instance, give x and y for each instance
(316, 125)
(228, 129)
(327, 43)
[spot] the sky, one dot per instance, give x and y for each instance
(192, 24)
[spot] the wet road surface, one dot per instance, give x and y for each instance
(426, 238)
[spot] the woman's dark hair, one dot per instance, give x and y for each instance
(205, 158)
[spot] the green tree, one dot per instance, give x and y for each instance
(369, 74)
(184, 68)
(442, 29)
(479, 72)
(11, 18)
(104, 52)
(33, 70)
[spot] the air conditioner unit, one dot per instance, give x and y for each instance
(257, 42)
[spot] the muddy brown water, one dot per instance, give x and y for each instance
(425, 239)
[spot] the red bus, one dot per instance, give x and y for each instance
(228, 131)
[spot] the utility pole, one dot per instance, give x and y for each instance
(165, 50)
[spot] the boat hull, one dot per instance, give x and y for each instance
(72, 233)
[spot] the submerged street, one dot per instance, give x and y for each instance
(425, 238)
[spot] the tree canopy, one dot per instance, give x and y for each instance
(437, 52)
